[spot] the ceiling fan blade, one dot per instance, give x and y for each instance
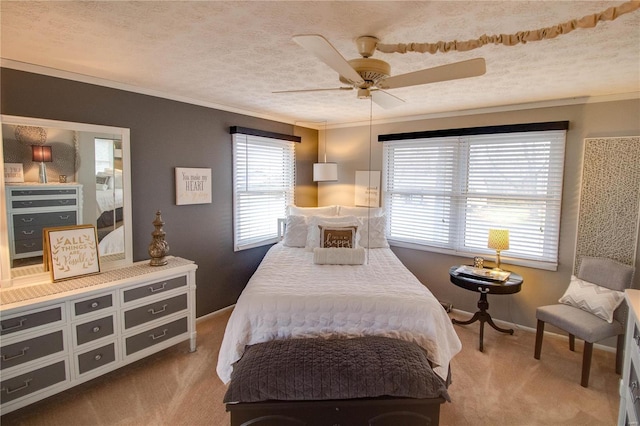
(323, 50)
(313, 90)
(464, 69)
(386, 100)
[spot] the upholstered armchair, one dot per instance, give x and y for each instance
(591, 309)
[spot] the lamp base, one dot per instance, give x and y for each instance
(42, 178)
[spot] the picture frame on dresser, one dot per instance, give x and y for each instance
(71, 251)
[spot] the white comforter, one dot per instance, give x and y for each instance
(108, 200)
(291, 297)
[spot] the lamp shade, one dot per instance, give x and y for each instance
(41, 153)
(325, 172)
(498, 239)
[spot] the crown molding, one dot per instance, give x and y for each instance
(52, 72)
(83, 78)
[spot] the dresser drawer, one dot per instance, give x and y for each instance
(32, 381)
(28, 350)
(96, 358)
(27, 246)
(154, 311)
(154, 288)
(92, 305)
(94, 330)
(156, 335)
(39, 220)
(45, 192)
(27, 321)
(30, 204)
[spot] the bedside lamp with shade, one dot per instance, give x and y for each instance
(41, 154)
(498, 240)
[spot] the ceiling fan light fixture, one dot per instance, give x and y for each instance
(364, 93)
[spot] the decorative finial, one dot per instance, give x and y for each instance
(158, 248)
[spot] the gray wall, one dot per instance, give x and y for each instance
(350, 148)
(167, 134)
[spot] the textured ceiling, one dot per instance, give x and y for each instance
(235, 54)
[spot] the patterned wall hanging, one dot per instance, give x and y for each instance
(609, 200)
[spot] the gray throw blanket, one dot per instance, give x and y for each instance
(321, 369)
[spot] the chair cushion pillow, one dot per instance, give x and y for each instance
(592, 298)
(581, 324)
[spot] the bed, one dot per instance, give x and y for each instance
(292, 300)
(109, 204)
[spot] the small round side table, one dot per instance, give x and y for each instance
(483, 286)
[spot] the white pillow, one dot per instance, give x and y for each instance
(360, 211)
(295, 231)
(312, 211)
(313, 230)
(372, 232)
(592, 298)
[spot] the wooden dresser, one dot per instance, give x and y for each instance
(32, 207)
(629, 413)
(57, 335)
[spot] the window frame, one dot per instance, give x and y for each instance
(270, 201)
(458, 196)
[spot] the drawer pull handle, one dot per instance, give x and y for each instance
(19, 388)
(95, 329)
(97, 357)
(25, 220)
(63, 202)
(24, 193)
(28, 232)
(26, 203)
(29, 245)
(64, 217)
(22, 353)
(153, 290)
(13, 327)
(160, 336)
(154, 312)
(95, 305)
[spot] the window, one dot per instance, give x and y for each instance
(104, 154)
(444, 193)
(263, 186)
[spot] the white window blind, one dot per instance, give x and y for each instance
(445, 193)
(263, 187)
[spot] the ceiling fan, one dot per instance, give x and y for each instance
(372, 77)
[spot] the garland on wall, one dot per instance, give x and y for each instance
(521, 37)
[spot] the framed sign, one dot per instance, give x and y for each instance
(71, 251)
(13, 172)
(368, 188)
(193, 186)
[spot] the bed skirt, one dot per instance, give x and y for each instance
(366, 380)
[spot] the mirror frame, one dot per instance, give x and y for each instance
(5, 262)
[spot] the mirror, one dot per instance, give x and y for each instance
(60, 173)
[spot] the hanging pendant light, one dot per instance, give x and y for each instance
(325, 172)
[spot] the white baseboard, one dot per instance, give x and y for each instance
(215, 313)
(508, 324)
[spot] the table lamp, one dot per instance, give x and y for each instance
(498, 240)
(41, 154)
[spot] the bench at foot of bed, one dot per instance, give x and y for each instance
(370, 380)
(368, 411)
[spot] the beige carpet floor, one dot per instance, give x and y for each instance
(504, 385)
